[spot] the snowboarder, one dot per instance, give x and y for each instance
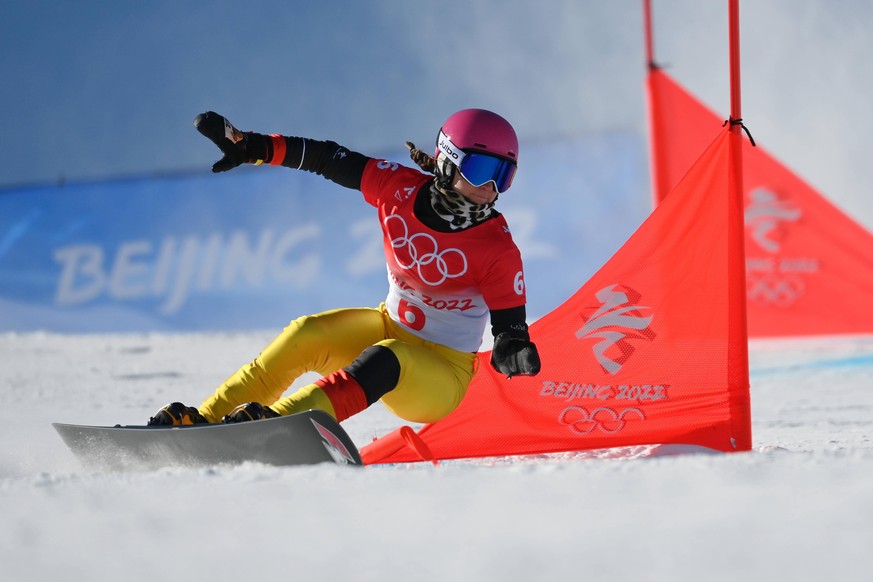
(451, 264)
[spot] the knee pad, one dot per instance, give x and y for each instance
(377, 370)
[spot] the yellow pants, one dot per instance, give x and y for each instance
(433, 377)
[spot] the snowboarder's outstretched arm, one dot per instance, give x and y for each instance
(325, 158)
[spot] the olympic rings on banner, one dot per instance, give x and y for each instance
(608, 420)
(775, 291)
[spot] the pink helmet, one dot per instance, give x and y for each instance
(482, 130)
(479, 144)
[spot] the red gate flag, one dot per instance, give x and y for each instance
(651, 350)
(809, 267)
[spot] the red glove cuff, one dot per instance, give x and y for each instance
(278, 149)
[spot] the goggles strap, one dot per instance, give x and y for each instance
(453, 153)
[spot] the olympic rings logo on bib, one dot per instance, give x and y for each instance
(421, 251)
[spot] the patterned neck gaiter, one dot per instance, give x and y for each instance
(459, 212)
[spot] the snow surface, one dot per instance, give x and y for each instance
(799, 507)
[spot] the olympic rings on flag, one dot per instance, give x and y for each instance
(607, 420)
(775, 291)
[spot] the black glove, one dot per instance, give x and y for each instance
(249, 411)
(231, 141)
(515, 356)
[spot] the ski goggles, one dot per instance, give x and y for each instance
(479, 168)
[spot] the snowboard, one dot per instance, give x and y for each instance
(305, 438)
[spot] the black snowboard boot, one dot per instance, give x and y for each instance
(177, 414)
(249, 411)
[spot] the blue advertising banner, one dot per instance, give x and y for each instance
(257, 247)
